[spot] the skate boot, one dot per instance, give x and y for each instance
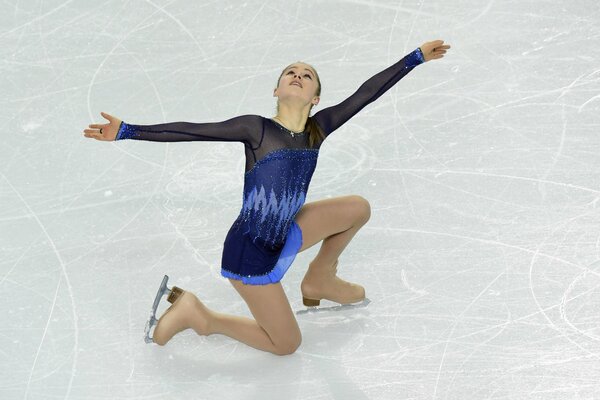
(334, 289)
(172, 295)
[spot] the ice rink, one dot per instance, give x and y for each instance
(481, 257)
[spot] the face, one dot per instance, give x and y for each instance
(298, 82)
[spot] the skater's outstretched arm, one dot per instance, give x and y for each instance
(331, 118)
(235, 129)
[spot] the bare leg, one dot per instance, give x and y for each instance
(331, 249)
(267, 303)
(321, 281)
(243, 329)
(335, 222)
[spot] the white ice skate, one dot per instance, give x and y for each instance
(173, 294)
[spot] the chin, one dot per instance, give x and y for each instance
(294, 100)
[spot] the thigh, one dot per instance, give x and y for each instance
(323, 218)
(272, 311)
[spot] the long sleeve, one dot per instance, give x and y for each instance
(236, 129)
(331, 118)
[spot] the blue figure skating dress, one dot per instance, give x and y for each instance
(264, 239)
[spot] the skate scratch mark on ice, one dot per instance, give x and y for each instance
(587, 102)
(503, 324)
(69, 289)
(18, 262)
(183, 27)
(456, 189)
(63, 5)
(567, 89)
(564, 300)
(259, 67)
(495, 243)
(492, 108)
(151, 82)
(489, 174)
(373, 5)
(405, 283)
(470, 21)
(412, 24)
(593, 98)
(163, 166)
(564, 334)
(456, 321)
(560, 147)
(475, 350)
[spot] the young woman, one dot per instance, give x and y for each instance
(274, 223)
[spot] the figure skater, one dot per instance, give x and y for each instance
(274, 224)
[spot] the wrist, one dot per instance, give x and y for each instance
(415, 58)
(125, 131)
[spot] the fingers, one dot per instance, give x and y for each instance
(437, 50)
(92, 133)
(439, 44)
(434, 50)
(96, 136)
(95, 131)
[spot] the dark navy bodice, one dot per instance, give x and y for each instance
(274, 191)
(279, 167)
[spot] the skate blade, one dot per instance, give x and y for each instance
(149, 324)
(162, 290)
(339, 307)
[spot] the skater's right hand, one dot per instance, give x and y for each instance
(109, 131)
(434, 50)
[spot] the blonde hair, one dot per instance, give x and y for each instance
(315, 133)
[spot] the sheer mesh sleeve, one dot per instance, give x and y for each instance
(236, 129)
(331, 118)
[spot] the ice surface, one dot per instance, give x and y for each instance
(481, 256)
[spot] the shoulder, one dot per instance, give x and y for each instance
(253, 127)
(320, 119)
(252, 118)
(248, 121)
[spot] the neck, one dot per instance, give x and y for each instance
(292, 118)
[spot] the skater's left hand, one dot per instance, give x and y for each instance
(434, 50)
(109, 131)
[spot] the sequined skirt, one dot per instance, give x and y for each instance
(255, 263)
